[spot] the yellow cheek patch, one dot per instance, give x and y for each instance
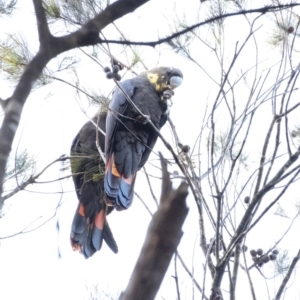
(153, 79)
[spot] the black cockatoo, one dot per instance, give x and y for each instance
(89, 226)
(129, 141)
(129, 137)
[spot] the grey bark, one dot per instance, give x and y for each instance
(162, 239)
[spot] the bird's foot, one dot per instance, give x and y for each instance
(167, 95)
(143, 119)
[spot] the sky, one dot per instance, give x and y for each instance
(30, 263)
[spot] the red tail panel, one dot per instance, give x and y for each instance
(100, 219)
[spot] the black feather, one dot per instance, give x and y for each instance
(128, 143)
(88, 170)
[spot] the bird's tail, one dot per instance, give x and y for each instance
(87, 234)
(118, 189)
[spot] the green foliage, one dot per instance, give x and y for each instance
(224, 147)
(136, 57)
(277, 37)
(20, 167)
(52, 9)
(99, 100)
(280, 211)
(74, 12)
(284, 33)
(182, 43)
(14, 58)
(282, 263)
(218, 8)
(88, 160)
(6, 8)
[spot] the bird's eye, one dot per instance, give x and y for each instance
(169, 71)
(175, 81)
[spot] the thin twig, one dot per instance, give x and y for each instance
(249, 277)
(32, 178)
(176, 276)
(150, 186)
(163, 236)
(237, 254)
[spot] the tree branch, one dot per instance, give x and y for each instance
(261, 10)
(32, 178)
(13, 110)
(287, 276)
(241, 230)
(237, 254)
(42, 25)
(163, 236)
(87, 35)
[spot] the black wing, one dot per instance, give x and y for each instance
(89, 225)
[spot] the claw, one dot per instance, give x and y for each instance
(143, 119)
(167, 95)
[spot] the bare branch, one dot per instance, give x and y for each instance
(275, 200)
(176, 277)
(42, 25)
(197, 193)
(191, 275)
(261, 10)
(144, 203)
(32, 178)
(163, 236)
(150, 186)
(27, 230)
(237, 254)
(249, 277)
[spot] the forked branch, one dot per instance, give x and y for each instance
(162, 239)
